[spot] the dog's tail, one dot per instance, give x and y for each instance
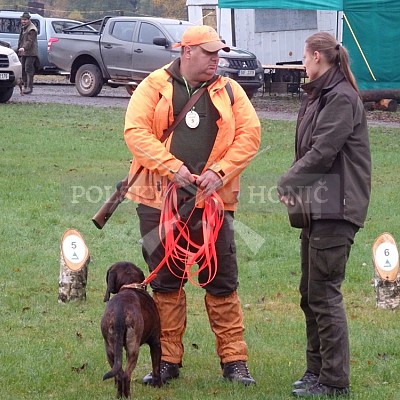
(118, 347)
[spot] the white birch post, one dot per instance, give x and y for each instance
(387, 273)
(74, 261)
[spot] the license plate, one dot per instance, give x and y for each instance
(4, 76)
(247, 72)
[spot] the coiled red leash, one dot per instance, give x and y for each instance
(173, 228)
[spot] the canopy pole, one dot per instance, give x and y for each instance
(359, 47)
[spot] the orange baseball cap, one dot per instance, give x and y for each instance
(203, 36)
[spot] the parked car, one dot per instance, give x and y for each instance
(10, 72)
(126, 49)
(10, 27)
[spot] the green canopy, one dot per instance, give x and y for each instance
(339, 5)
(370, 33)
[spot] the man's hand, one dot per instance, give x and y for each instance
(209, 182)
(183, 177)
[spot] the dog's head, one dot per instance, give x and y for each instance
(120, 274)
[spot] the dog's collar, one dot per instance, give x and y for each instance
(139, 286)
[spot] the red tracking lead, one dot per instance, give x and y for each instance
(173, 229)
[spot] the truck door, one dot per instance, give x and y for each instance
(116, 49)
(148, 56)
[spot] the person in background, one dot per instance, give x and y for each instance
(28, 51)
(207, 151)
(333, 165)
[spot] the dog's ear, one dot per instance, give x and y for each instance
(110, 278)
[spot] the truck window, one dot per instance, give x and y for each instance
(13, 25)
(148, 32)
(59, 26)
(123, 30)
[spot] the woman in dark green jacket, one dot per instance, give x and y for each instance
(331, 173)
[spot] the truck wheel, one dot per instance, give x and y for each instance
(6, 94)
(130, 89)
(89, 80)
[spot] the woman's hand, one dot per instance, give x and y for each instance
(287, 200)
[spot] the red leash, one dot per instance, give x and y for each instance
(172, 228)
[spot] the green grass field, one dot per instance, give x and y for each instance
(57, 166)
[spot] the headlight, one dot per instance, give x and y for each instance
(259, 65)
(223, 63)
(14, 58)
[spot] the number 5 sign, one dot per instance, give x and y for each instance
(386, 257)
(74, 250)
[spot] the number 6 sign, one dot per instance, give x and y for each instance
(386, 257)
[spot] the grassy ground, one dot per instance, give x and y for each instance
(57, 166)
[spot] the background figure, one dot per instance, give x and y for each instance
(333, 166)
(28, 51)
(206, 152)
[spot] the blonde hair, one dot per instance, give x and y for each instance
(334, 53)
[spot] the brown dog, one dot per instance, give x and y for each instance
(130, 320)
(20, 84)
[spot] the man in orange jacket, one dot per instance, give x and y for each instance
(207, 150)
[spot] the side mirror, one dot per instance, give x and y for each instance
(161, 41)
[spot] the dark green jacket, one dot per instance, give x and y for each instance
(332, 156)
(28, 40)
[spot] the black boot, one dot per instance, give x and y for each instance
(307, 380)
(167, 371)
(238, 371)
(29, 84)
(318, 389)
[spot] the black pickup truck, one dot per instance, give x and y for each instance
(124, 50)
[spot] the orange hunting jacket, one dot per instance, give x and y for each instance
(150, 112)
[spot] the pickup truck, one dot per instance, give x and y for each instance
(124, 50)
(10, 27)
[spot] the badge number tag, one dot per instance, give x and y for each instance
(192, 119)
(386, 257)
(74, 250)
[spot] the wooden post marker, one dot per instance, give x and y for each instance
(74, 261)
(387, 275)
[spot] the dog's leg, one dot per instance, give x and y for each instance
(132, 353)
(114, 348)
(20, 85)
(155, 353)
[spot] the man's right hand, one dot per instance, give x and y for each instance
(183, 177)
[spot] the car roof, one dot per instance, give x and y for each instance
(156, 19)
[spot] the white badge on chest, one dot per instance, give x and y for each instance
(192, 119)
